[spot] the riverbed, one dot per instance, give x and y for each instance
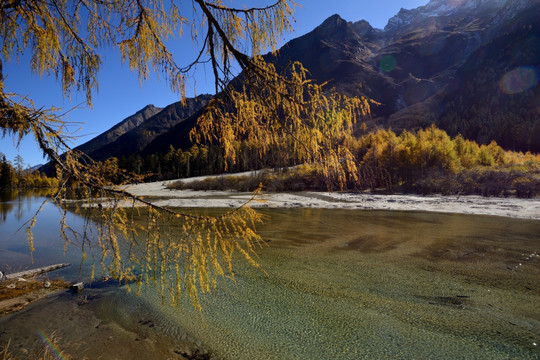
(334, 284)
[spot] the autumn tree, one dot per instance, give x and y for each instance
(68, 39)
(18, 162)
(7, 173)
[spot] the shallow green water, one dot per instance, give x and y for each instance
(348, 284)
(373, 284)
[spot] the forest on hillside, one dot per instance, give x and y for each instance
(426, 161)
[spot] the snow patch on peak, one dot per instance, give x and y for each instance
(440, 8)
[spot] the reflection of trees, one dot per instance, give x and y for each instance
(16, 198)
(6, 203)
(5, 208)
(20, 212)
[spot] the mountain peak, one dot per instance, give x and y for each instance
(333, 19)
(150, 108)
(331, 24)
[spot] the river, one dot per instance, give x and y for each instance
(335, 284)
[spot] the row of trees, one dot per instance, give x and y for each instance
(176, 163)
(430, 161)
(410, 155)
(425, 161)
(202, 159)
(15, 176)
(406, 157)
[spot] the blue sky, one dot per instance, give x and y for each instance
(120, 94)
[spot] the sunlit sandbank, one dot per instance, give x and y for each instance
(476, 205)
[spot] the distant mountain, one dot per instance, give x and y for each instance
(470, 66)
(406, 19)
(412, 59)
(124, 126)
(495, 94)
(136, 139)
(177, 136)
(134, 133)
(342, 53)
(423, 60)
(35, 167)
(498, 42)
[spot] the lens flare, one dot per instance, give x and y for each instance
(387, 63)
(518, 80)
(50, 345)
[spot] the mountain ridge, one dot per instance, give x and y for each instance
(136, 138)
(119, 129)
(417, 68)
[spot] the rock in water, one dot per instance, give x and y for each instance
(78, 287)
(1, 275)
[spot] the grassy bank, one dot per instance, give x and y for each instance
(509, 181)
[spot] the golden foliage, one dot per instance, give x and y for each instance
(430, 161)
(67, 39)
(279, 110)
(136, 241)
(287, 113)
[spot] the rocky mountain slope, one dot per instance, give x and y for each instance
(425, 58)
(135, 140)
(470, 66)
(495, 94)
(118, 130)
(134, 133)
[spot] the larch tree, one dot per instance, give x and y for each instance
(272, 107)
(19, 164)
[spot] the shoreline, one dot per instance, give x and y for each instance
(86, 325)
(157, 192)
(18, 293)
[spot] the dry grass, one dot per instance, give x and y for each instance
(15, 288)
(46, 348)
(517, 181)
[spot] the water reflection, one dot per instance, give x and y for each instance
(19, 202)
(16, 209)
(340, 284)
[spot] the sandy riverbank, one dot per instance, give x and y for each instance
(477, 205)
